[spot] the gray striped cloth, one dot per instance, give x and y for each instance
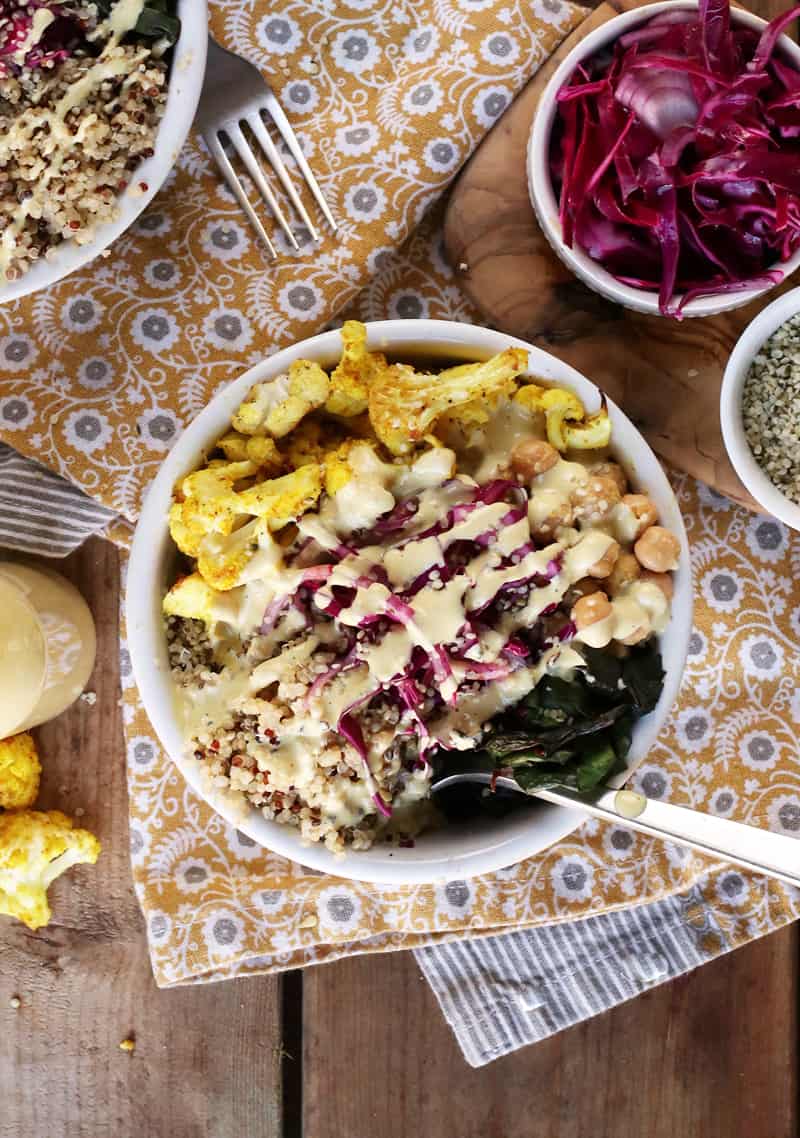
(497, 993)
(501, 993)
(40, 512)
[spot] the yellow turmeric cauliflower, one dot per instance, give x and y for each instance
(352, 377)
(35, 848)
(224, 559)
(308, 390)
(276, 407)
(404, 404)
(567, 425)
(255, 448)
(207, 503)
(190, 597)
(19, 772)
(281, 500)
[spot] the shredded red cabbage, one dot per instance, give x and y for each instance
(676, 156)
(58, 40)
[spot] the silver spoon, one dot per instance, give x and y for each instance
(759, 850)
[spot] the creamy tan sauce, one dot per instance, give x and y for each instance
(42, 19)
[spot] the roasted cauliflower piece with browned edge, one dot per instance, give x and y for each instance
(36, 847)
(404, 404)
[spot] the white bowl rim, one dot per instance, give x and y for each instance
(145, 582)
(187, 71)
(541, 190)
(746, 348)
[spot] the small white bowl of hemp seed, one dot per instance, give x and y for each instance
(760, 408)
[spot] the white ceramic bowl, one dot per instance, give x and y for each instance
(748, 345)
(541, 187)
(185, 83)
(449, 852)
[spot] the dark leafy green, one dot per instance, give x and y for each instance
(574, 733)
(158, 19)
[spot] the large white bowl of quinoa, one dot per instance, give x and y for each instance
(92, 119)
(444, 851)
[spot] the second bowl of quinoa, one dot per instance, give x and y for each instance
(96, 100)
(760, 408)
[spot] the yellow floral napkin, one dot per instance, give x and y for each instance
(218, 905)
(99, 374)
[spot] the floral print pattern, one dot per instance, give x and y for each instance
(99, 374)
(729, 748)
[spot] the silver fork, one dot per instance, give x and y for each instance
(234, 94)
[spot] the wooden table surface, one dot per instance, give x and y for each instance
(355, 1049)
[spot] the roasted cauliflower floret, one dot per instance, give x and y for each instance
(259, 449)
(281, 500)
(308, 390)
(404, 404)
(338, 470)
(186, 536)
(356, 458)
(352, 377)
(305, 444)
(567, 425)
(190, 597)
(208, 503)
(250, 417)
(20, 771)
(276, 407)
(35, 848)
(226, 561)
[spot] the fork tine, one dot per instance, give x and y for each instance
(243, 149)
(275, 111)
(236, 187)
(256, 124)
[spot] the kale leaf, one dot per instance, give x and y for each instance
(577, 733)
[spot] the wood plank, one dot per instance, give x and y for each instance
(711, 1055)
(666, 375)
(207, 1059)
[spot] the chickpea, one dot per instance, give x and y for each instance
(595, 499)
(603, 567)
(662, 580)
(533, 456)
(613, 471)
(560, 514)
(582, 588)
(643, 510)
(657, 549)
(625, 570)
(589, 610)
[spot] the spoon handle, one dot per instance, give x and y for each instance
(759, 850)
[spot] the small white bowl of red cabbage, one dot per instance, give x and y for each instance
(664, 158)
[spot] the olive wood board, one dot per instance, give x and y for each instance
(665, 374)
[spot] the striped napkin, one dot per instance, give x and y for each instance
(41, 513)
(497, 993)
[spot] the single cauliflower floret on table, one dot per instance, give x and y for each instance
(36, 847)
(19, 772)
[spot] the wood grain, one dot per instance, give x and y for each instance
(666, 375)
(710, 1056)
(207, 1059)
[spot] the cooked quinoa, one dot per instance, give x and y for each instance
(771, 408)
(239, 748)
(81, 99)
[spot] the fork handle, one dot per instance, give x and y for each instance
(762, 851)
